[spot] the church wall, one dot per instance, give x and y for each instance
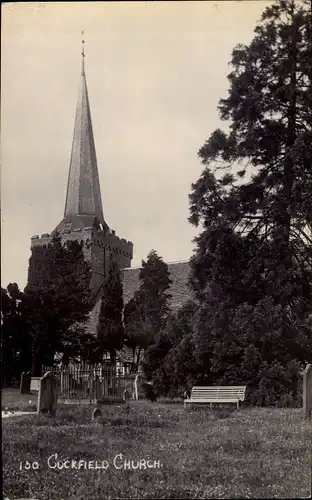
(98, 247)
(105, 246)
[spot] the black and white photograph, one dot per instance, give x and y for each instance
(156, 250)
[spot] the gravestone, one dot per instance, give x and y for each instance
(47, 397)
(307, 391)
(98, 387)
(95, 387)
(126, 395)
(96, 414)
(25, 383)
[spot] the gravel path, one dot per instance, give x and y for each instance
(5, 414)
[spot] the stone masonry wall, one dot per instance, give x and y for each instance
(98, 247)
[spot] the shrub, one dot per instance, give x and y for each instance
(148, 392)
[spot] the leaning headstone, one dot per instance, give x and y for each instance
(47, 397)
(307, 391)
(97, 387)
(126, 395)
(25, 383)
(96, 414)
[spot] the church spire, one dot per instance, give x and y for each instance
(83, 198)
(83, 56)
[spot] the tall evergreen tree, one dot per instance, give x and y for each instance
(171, 363)
(147, 312)
(15, 351)
(110, 330)
(56, 301)
(253, 201)
(154, 285)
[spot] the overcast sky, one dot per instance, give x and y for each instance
(155, 73)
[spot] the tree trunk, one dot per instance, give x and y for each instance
(288, 179)
(112, 355)
(138, 356)
(132, 369)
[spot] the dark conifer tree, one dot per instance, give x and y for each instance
(110, 330)
(56, 301)
(147, 312)
(253, 203)
(15, 352)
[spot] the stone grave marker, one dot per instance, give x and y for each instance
(126, 395)
(96, 387)
(47, 397)
(25, 383)
(96, 414)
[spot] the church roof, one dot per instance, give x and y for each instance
(179, 273)
(83, 205)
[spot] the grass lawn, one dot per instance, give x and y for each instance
(251, 453)
(13, 400)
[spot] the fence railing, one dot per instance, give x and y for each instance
(87, 382)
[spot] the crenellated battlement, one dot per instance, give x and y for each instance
(100, 246)
(113, 243)
(37, 240)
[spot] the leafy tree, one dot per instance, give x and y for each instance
(253, 202)
(57, 301)
(110, 330)
(147, 312)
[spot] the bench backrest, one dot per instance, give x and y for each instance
(219, 393)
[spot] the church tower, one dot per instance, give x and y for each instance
(83, 214)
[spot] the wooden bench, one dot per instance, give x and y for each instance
(219, 395)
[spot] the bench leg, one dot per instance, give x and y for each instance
(210, 406)
(237, 405)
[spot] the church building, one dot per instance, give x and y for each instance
(84, 219)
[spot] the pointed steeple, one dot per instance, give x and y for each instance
(83, 198)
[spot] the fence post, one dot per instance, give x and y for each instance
(307, 391)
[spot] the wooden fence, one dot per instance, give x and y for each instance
(91, 382)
